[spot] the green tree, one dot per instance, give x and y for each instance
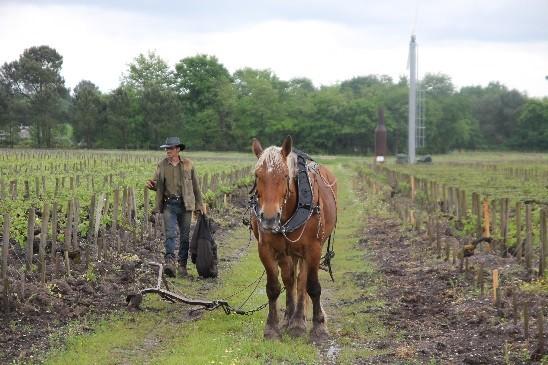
(88, 109)
(200, 80)
(395, 104)
(123, 119)
(36, 77)
(12, 113)
(209, 101)
(156, 109)
(532, 127)
(496, 109)
(149, 71)
(161, 113)
(260, 109)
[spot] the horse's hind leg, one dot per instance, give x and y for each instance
(273, 289)
(319, 329)
(289, 269)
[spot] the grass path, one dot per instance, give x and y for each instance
(166, 334)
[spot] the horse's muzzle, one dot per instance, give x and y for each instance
(270, 223)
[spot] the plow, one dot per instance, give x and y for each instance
(134, 300)
(163, 289)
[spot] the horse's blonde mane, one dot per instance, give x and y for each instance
(272, 156)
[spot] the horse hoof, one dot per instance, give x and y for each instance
(319, 334)
(272, 334)
(297, 330)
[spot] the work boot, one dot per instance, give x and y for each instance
(182, 269)
(169, 267)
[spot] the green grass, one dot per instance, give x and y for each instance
(351, 323)
(110, 338)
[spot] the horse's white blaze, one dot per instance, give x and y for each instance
(272, 156)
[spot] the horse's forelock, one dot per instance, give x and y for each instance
(273, 159)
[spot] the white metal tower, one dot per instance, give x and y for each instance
(411, 138)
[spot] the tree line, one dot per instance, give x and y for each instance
(211, 109)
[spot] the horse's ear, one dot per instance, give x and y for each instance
(256, 147)
(287, 145)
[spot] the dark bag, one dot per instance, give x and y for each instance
(203, 249)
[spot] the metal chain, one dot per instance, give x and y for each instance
(228, 309)
(255, 282)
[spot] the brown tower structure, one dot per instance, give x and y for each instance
(380, 138)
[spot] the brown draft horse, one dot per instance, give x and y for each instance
(296, 254)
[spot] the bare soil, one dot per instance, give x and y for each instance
(435, 311)
(37, 311)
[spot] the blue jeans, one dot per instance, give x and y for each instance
(175, 215)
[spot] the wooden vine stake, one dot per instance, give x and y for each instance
(54, 233)
(528, 238)
(115, 209)
(413, 188)
(43, 240)
(495, 286)
(478, 216)
(91, 213)
(5, 246)
(519, 248)
(68, 235)
(145, 213)
(480, 280)
(540, 327)
(493, 214)
(515, 308)
(30, 240)
(438, 234)
(526, 319)
(485, 232)
(543, 245)
(97, 217)
(504, 213)
(76, 223)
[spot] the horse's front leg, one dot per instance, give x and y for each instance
(273, 289)
(319, 329)
(297, 325)
(288, 268)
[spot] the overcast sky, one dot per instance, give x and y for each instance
(472, 41)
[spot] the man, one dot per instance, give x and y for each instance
(177, 195)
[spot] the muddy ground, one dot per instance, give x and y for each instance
(435, 311)
(39, 314)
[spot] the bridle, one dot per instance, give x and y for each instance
(305, 197)
(254, 203)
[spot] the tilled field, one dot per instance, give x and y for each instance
(37, 320)
(434, 311)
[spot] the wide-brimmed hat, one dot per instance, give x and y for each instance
(173, 142)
